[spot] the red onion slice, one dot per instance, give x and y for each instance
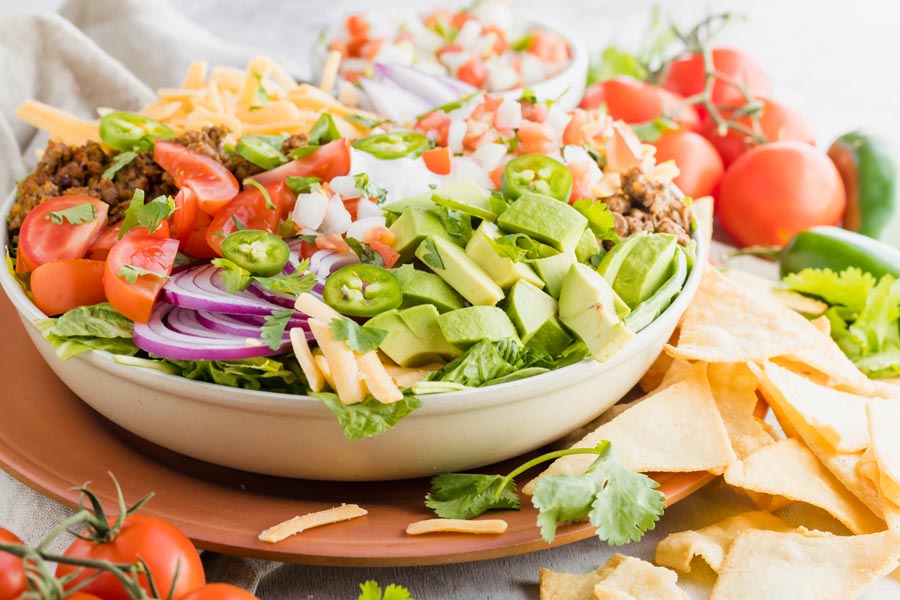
(201, 289)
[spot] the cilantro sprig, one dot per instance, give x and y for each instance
(359, 339)
(622, 504)
(149, 215)
(75, 215)
(130, 273)
(272, 330)
(122, 160)
(237, 278)
(372, 591)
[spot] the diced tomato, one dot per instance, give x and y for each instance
(460, 19)
(184, 219)
(339, 45)
(497, 176)
(47, 234)
(581, 180)
(437, 19)
(388, 254)
(62, 285)
(371, 49)
(213, 184)
(326, 163)
(449, 48)
(500, 45)
(382, 234)
(438, 122)
(536, 112)
(473, 72)
(574, 132)
(357, 26)
(333, 242)
(356, 46)
(307, 249)
(135, 300)
(196, 246)
(485, 111)
(106, 240)
(535, 138)
(352, 207)
(548, 46)
(249, 209)
(438, 160)
(623, 149)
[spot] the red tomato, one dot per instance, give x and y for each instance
(135, 300)
(776, 190)
(82, 596)
(12, 573)
(777, 123)
(357, 26)
(326, 163)
(101, 245)
(250, 210)
(686, 76)
(473, 72)
(333, 242)
(66, 284)
(42, 240)
(699, 163)
(219, 591)
(437, 160)
(635, 101)
(184, 219)
(196, 245)
(548, 46)
(163, 547)
(213, 184)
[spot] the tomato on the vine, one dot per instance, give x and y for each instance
(776, 190)
(777, 123)
(686, 75)
(636, 101)
(699, 163)
(164, 548)
(219, 591)
(12, 572)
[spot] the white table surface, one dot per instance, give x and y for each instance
(836, 62)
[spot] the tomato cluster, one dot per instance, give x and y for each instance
(75, 259)
(768, 179)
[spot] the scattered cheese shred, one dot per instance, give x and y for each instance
(344, 512)
(348, 383)
(305, 359)
(490, 526)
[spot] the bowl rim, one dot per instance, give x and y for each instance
(444, 402)
(576, 44)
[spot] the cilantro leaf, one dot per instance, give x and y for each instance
(522, 44)
(364, 121)
(149, 215)
(130, 273)
(361, 181)
(121, 160)
(369, 417)
(653, 130)
(467, 495)
(528, 96)
(359, 339)
(365, 252)
(849, 288)
(235, 277)
(264, 151)
(302, 185)
(622, 504)
(323, 131)
(614, 61)
(272, 330)
(372, 591)
(262, 190)
(600, 219)
(431, 256)
(457, 224)
(518, 247)
(300, 281)
(261, 95)
(75, 215)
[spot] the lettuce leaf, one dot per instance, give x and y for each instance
(369, 417)
(95, 327)
(282, 375)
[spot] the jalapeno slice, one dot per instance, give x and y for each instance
(264, 151)
(124, 131)
(394, 144)
(362, 290)
(259, 252)
(536, 173)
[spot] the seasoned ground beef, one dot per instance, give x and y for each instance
(651, 206)
(66, 170)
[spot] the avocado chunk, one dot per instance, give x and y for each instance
(466, 326)
(422, 200)
(465, 196)
(645, 312)
(552, 270)
(533, 312)
(414, 337)
(422, 287)
(502, 269)
(612, 260)
(545, 219)
(450, 262)
(587, 306)
(646, 268)
(587, 246)
(413, 226)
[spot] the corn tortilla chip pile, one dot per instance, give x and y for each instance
(742, 349)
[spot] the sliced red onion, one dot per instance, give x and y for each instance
(201, 289)
(435, 89)
(228, 324)
(298, 320)
(392, 101)
(325, 262)
(157, 337)
(279, 298)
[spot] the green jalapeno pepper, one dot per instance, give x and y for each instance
(259, 252)
(394, 144)
(362, 290)
(264, 151)
(536, 173)
(124, 131)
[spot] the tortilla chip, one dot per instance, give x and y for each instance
(733, 387)
(804, 565)
(629, 578)
(787, 468)
(724, 323)
(704, 209)
(767, 288)
(884, 427)
(565, 586)
(822, 324)
(844, 466)
(713, 541)
(694, 437)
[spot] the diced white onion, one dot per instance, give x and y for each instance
(309, 212)
(367, 209)
(468, 34)
(454, 60)
(345, 187)
(337, 219)
(464, 167)
(489, 156)
(509, 114)
(455, 135)
(533, 69)
(502, 78)
(360, 227)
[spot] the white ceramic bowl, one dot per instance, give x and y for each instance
(566, 87)
(297, 436)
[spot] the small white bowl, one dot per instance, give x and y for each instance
(566, 87)
(297, 436)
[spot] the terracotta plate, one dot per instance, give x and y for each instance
(53, 442)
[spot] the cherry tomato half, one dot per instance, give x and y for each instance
(59, 229)
(248, 210)
(66, 284)
(361, 290)
(776, 190)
